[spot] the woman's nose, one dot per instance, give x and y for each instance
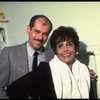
(65, 48)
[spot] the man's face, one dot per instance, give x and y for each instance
(38, 35)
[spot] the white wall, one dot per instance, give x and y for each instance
(83, 16)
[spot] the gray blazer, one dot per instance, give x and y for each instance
(14, 64)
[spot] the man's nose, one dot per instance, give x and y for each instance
(40, 36)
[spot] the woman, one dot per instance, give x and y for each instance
(70, 77)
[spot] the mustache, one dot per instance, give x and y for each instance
(40, 40)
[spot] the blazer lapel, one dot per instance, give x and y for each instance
(19, 62)
(24, 59)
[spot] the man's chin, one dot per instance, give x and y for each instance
(37, 47)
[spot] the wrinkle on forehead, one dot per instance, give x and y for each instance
(43, 21)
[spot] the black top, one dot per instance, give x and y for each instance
(35, 85)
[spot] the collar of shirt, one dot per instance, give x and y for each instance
(31, 51)
(41, 56)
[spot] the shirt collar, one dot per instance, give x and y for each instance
(31, 51)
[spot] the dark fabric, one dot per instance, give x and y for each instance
(37, 85)
(34, 65)
(93, 89)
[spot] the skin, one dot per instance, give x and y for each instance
(92, 74)
(38, 35)
(66, 52)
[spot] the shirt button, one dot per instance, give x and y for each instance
(29, 97)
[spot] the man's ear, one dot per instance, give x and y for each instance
(28, 29)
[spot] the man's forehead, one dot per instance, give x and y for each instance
(43, 21)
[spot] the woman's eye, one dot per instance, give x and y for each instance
(70, 44)
(60, 45)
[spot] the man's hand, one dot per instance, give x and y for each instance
(92, 74)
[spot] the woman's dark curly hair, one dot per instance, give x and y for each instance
(62, 34)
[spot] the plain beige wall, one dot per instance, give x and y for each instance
(83, 16)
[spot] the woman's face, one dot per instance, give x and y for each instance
(66, 51)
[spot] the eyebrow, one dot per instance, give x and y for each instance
(36, 29)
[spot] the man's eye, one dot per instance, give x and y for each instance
(46, 34)
(36, 31)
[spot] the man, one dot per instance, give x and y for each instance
(16, 61)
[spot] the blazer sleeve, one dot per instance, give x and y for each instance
(21, 88)
(4, 73)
